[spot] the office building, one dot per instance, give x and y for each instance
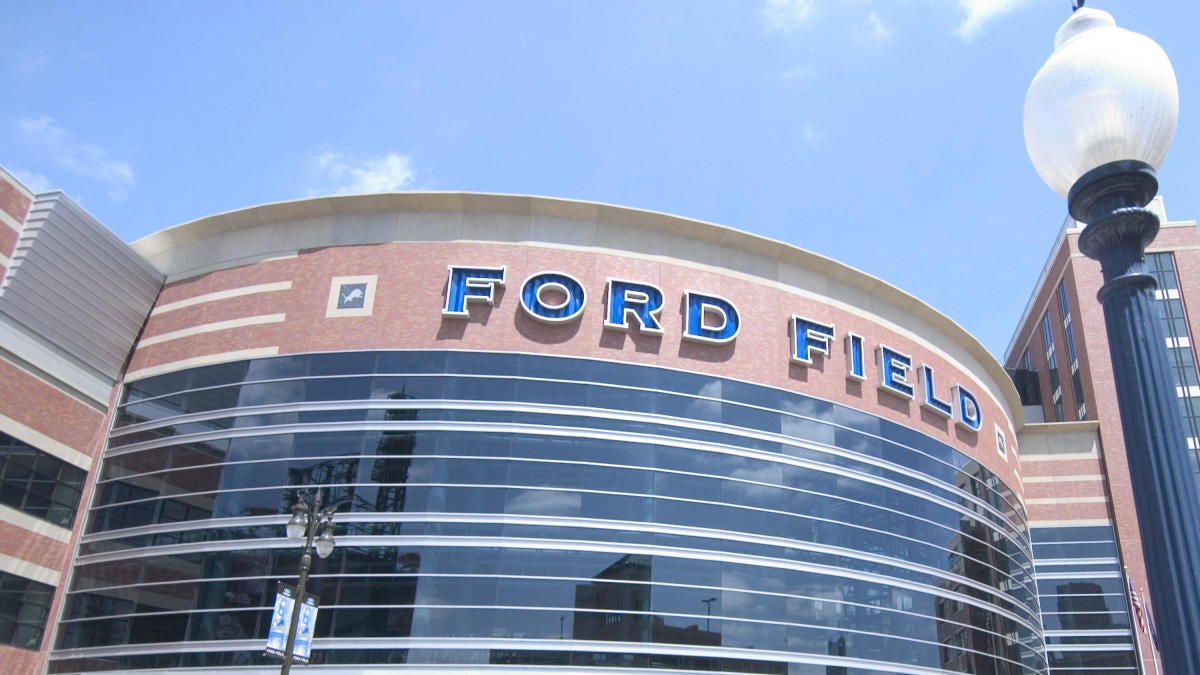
(557, 434)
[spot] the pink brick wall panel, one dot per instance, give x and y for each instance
(35, 548)
(409, 299)
(13, 201)
(1065, 489)
(1068, 512)
(8, 241)
(282, 269)
(1064, 467)
(25, 661)
(217, 310)
(35, 404)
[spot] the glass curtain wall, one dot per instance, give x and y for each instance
(502, 509)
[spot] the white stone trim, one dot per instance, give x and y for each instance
(36, 525)
(29, 570)
(44, 443)
(1083, 522)
(1063, 501)
(64, 375)
(11, 223)
(217, 296)
(1065, 479)
(213, 327)
(1064, 457)
(206, 360)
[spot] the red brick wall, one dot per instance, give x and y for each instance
(14, 201)
(410, 295)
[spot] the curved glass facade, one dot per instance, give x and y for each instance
(521, 509)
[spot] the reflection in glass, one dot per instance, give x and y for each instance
(573, 505)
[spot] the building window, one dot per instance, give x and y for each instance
(24, 606)
(1082, 593)
(1052, 368)
(1179, 347)
(1064, 306)
(357, 424)
(38, 483)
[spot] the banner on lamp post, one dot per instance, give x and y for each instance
(281, 619)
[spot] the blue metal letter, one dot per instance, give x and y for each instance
(893, 371)
(700, 309)
(467, 284)
(809, 336)
(569, 308)
(930, 399)
(629, 298)
(856, 367)
(968, 414)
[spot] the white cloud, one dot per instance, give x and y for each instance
(87, 160)
(388, 173)
(803, 74)
(812, 134)
(31, 64)
(787, 15)
(979, 12)
(877, 29)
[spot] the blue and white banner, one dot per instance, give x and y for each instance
(281, 619)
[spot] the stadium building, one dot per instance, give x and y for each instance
(560, 436)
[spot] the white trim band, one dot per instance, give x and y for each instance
(217, 296)
(206, 360)
(213, 327)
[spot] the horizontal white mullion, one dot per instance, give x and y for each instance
(586, 432)
(1098, 574)
(600, 434)
(629, 526)
(620, 414)
(1047, 562)
(1103, 632)
(492, 643)
(270, 578)
(572, 609)
(395, 517)
(403, 541)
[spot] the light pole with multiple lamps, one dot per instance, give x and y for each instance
(313, 526)
(1099, 117)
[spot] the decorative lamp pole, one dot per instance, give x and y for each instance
(1099, 117)
(303, 526)
(708, 614)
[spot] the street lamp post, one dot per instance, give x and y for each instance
(708, 614)
(1099, 118)
(307, 518)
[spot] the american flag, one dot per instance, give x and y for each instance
(1139, 610)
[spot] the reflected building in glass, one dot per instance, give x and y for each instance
(560, 436)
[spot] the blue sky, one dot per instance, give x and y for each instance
(883, 133)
